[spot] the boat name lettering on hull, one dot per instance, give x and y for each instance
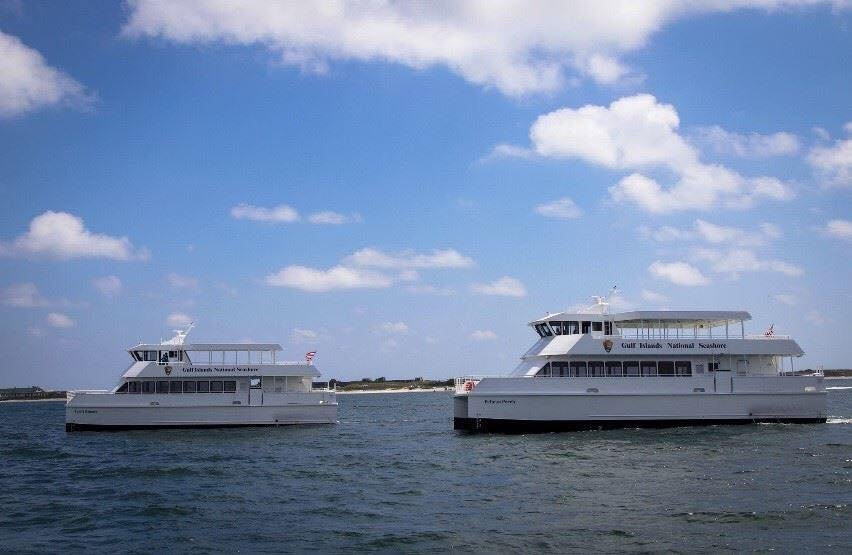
(499, 401)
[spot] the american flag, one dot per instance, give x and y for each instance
(309, 356)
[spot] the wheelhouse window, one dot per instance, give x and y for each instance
(122, 389)
(148, 386)
(216, 386)
(586, 327)
(607, 328)
(597, 326)
(163, 386)
(613, 368)
(175, 386)
(683, 368)
(578, 368)
(573, 327)
(631, 367)
(666, 368)
(649, 368)
(189, 387)
(596, 368)
(203, 386)
(556, 327)
(230, 386)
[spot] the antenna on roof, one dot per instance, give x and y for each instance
(601, 305)
(180, 335)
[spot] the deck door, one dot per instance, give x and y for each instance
(723, 381)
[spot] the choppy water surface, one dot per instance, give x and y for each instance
(393, 476)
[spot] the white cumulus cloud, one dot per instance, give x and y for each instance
(563, 208)
(108, 286)
(511, 45)
(504, 287)
(59, 320)
(678, 273)
(27, 82)
(833, 164)
(439, 258)
(638, 134)
(63, 236)
(281, 213)
(839, 229)
(338, 277)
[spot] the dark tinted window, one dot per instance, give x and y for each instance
(216, 386)
(613, 368)
(122, 389)
(586, 327)
(203, 387)
(579, 369)
(597, 326)
(649, 368)
(596, 368)
(573, 327)
(189, 387)
(134, 387)
(683, 368)
(556, 327)
(174, 386)
(666, 368)
(162, 387)
(230, 386)
(631, 368)
(148, 387)
(607, 328)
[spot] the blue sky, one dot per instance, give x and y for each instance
(402, 188)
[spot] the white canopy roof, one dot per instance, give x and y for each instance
(207, 347)
(672, 318)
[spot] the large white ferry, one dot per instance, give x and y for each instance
(173, 384)
(592, 369)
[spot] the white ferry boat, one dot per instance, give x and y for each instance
(592, 369)
(173, 384)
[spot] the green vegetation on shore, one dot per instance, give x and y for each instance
(367, 384)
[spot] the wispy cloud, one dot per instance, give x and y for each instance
(334, 218)
(833, 163)
(178, 320)
(748, 145)
(678, 273)
(563, 208)
(180, 281)
(108, 286)
(439, 258)
(483, 335)
(838, 229)
(277, 214)
(504, 287)
(59, 320)
(317, 280)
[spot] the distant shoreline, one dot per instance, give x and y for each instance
(416, 390)
(49, 400)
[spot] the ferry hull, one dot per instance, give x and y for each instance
(78, 418)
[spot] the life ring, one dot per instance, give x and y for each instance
(468, 385)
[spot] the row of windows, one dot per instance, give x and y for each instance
(159, 356)
(178, 386)
(615, 368)
(572, 327)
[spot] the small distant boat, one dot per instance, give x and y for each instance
(174, 384)
(592, 369)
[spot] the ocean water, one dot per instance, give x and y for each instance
(392, 476)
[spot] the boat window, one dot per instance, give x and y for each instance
(230, 386)
(122, 389)
(546, 330)
(189, 387)
(578, 368)
(586, 327)
(173, 354)
(559, 369)
(203, 386)
(538, 330)
(137, 355)
(216, 386)
(683, 368)
(148, 386)
(134, 387)
(666, 368)
(163, 386)
(613, 368)
(556, 327)
(148, 355)
(596, 368)
(597, 326)
(607, 328)
(164, 356)
(649, 368)
(631, 367)
(254, 383)
(175, 386)
(573, 327)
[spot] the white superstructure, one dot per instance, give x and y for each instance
(593, 369)
(177, 384)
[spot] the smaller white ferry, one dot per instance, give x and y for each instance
(592, 369)
(174, 384)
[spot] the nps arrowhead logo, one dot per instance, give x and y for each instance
(607, 345)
